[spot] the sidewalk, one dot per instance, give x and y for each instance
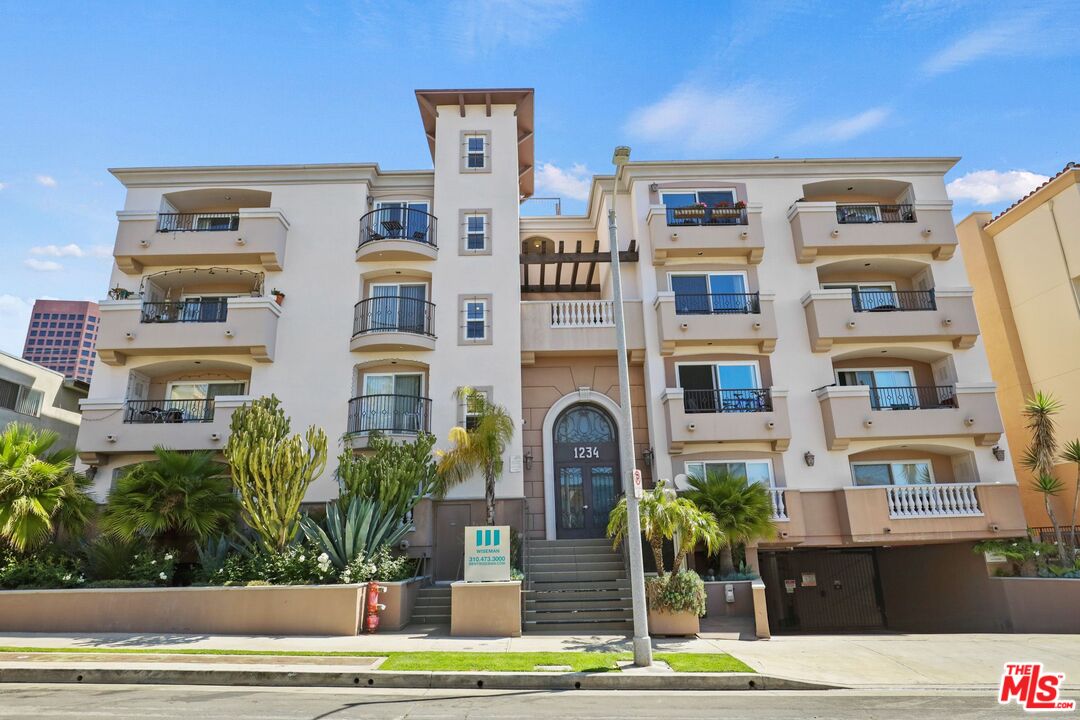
(885, 660)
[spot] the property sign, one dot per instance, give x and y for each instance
(487, 553)
(789, 586)
(809, 579)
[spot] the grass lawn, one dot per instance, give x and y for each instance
(703, 662)
(448, 661)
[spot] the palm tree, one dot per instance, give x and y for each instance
(1071, 453)
(664, 516)
(40, 492)
(479, 448)
(183, 496)
(1041, 454)
(743, 510)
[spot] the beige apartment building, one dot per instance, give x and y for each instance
(808, 324)
(1025, 267)
(33, 394)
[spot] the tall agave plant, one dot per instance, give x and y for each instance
(361, 526)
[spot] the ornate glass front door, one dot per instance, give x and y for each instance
(587, 485)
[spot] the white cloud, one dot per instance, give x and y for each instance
(573, 183)
(14, 320)
(986, 187)
(3, 185)
(705, 120)
(70, 250)
(477, 27)
(42, 265)
(844, 128)
(46, 181)
(1037, 33)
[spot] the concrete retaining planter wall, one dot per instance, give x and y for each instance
(399, 599)
(276, 610)
(1041, 605)
(673, 623)
(485, 609)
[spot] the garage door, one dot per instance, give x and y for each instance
(835, 590)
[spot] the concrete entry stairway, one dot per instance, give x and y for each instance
(432, 606)
(576, 586)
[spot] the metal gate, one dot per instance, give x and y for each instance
(823, 590)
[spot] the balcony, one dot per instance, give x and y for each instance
(397, 233)
(111, 427)
(706, 232)
(828, 228)
(897, 514)
(393, 323)
(578, 327)
(395, 416)
(249, 236)
(717, 416)
(240, 325)
(859, 412)
(846, 316)
(715, 319)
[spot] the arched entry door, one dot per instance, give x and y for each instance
(586, 453)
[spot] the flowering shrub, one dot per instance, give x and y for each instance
(40, 570)
(382, 565)
(151, 567)
(300, 564)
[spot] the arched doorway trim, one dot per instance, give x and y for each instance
(583, 395)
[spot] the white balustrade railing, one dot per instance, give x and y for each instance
(582, 314)
(924, 501)
(779, 507)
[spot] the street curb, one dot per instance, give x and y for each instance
(421, 680)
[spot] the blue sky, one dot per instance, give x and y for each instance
(87, 86)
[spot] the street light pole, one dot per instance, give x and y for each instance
(642, 643)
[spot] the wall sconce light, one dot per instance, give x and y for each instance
(528, 459)
(999, 453)
(808, 458)
(647, 455)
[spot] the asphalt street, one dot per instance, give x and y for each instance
(147, 702)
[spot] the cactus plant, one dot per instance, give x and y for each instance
(397, 474)
(272, 469)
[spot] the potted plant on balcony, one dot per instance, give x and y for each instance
(119, 293)
(278, 295)
(677, 599)
(697, 210)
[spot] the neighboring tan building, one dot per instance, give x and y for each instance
(807, 323)
(62, 335)
(1025, 267)
(44, 398)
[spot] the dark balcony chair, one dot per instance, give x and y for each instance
(393, 228)
(173, 415)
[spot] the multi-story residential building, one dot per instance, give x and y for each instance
(38, 396)
(1025, 267)
(805, 323)
(62, 336)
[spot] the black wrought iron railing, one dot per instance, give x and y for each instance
(717, 303)
(168, 411)
(700, 215)
(408, 414)
(864, 213)
(214, 310)
(745, 400)
(394, 314)
(398, 223)
(893, 300)
(914, 397)
(1046, 534)
(198, 222)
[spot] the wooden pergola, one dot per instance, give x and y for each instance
(547, 269)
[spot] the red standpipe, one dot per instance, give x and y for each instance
(371, 622)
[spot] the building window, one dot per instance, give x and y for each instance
(475, 237)
(756, 471)
(475, 151)
(475, 320)
(20, 398)
(722, 387)
(474, 405)
(908, 472)
(475, 158)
